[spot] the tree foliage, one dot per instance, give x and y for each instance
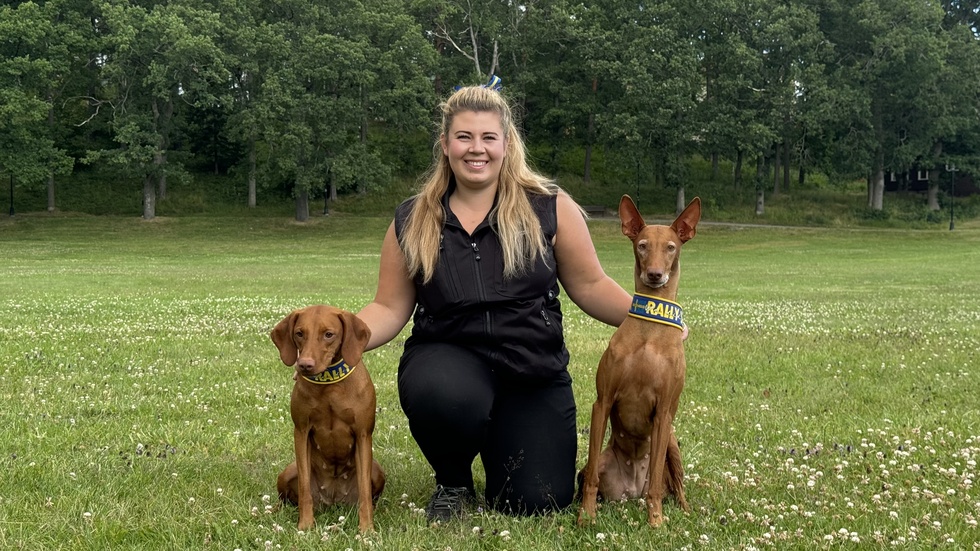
(322, 98)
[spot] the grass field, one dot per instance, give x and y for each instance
(830, 399)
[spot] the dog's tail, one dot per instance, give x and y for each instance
(674, 472)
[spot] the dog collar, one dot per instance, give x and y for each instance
(332, 374)
(657, 310)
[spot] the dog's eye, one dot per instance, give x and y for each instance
(641, 246)
(671, 247)
(328, 335)
(298, 334)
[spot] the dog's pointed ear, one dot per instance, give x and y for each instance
(630, 217)
(282, 336)
(686, 224)
(356, 337)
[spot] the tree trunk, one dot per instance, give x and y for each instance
(738, 171)
(775, 173)
(878, 190)
(878, 187)
(251, 172)
(149, 198)
(786, 168)
(587, 176)
(160, 162)
(714, 166)
(51, 174)
(933, 198)
(303, 206)
(51, 192)
(681, 203)
(161, 124)
(870, 186)
(760, 202)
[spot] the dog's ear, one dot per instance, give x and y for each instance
(356, 337)
(282, 336)
(686, 224)
(630, 217)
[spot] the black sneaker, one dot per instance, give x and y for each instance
(447, 503)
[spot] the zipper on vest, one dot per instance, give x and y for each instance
(482, 291)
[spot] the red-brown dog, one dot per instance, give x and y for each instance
(640, 377)
(333, 409)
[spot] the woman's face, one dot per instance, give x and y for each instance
(476, 147)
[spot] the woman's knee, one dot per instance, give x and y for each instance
(530, 454)
(439, 381)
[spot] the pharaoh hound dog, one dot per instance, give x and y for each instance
(640, 377)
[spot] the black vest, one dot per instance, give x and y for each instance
(515, 323)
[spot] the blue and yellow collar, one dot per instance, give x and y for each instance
(332, 374)
(657, 310)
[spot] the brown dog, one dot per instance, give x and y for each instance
(640, 377)
(333, 407)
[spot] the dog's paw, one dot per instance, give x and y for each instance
(585, 518)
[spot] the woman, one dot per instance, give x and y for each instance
(476, 256)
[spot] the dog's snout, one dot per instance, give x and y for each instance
(655, 277)
(305, 364)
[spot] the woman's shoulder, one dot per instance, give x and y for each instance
(403, 211)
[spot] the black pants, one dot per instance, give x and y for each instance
(525, 434)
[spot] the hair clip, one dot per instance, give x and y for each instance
(494, 84)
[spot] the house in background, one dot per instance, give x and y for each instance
(918, 180)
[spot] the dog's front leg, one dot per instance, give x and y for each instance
(304, 492)
(659, 436)
(364, 458)
(590, 480)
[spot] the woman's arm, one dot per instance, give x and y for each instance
(394, 300)
(579, 271)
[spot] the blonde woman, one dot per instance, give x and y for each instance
(475, 259)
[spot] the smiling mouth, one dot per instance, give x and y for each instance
(477, 164)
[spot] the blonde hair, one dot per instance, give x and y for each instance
(516, 224)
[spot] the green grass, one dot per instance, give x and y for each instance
(830, 399)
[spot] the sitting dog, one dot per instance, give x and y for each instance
(640, 377)
(333, 408)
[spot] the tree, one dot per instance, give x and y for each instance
(343, 69)
(650, 78)
(158, 59)
(734, 114)
(29, 64)
(888, 59)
